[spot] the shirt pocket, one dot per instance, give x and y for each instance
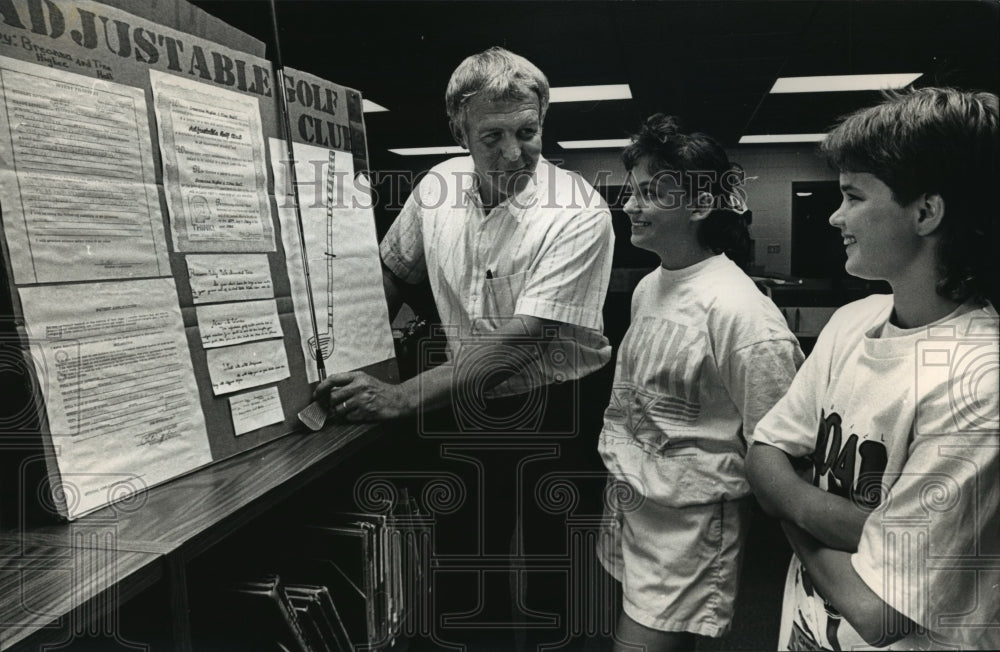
(500, 295)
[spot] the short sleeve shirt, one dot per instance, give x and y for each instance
(906, 422)
(545, 252)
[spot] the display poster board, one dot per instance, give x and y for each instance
(156, 250)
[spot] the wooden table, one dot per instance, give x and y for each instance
(84, 569)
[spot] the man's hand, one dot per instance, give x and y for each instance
(356, 396)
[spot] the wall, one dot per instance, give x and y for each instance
(769, 195)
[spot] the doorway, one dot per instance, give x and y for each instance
(817, 248)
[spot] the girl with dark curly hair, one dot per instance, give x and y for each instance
(705, 357)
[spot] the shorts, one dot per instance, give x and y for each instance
(679, 566)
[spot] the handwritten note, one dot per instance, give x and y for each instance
(254, 410)
(224, 324)
(229, 277)
(233, 368)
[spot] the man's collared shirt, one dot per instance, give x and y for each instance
(545, 252)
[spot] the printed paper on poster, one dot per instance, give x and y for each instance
(77, 183)
(119, 388)
(214, 172)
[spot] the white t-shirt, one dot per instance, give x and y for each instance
(906, 420)
(544, 253)
(705, 357)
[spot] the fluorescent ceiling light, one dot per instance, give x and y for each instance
(429, 151)
(803, 194)
(606, 143)
(830, 83)
(590, 93)
(781, 138)
(367, 106)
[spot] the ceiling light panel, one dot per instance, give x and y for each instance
(781, 138)
(589, 93)
(837, 83)
(606, 143)
(429, 151)
(367, 106)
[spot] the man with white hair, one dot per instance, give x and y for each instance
(510, 243)
(518, 256)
